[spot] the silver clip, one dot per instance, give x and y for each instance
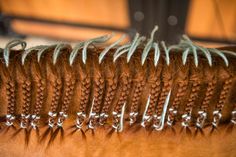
(62, 117)
(186, 118)
(172, 112)
(80, 119)
(118, 119)
(34, 120)
(10, 119)
(92, 119)
(133, 117)
(216, 118)
(233, 118)
(159, 121)
(102, 118)
(146, 118)
(24, 120)
(202, 115)
(51, 119)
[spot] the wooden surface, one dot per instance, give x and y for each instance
(203, 21)
(102, 12)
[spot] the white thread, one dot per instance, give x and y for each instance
(75, 52)
(229, 52)
(162, 122)
(91, 109)
(121, 50)
(40, 52)
(145, 111)
(6, 52)
(157, 53)
(221, 55)
(122, 118)
(206, 53)
(134, 47)
(104, 52)
(131, 50)
(100, 39)
(28, 51)
(185, 55)
(58, 51)
(194, 50)
(166, 52)
(148, 45)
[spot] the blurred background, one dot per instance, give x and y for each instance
(207, 22)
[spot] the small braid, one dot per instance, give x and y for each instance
(57, 85)
(26, 87)
(165, 90)
(155, 91)
(138, 87)
(125, 87)
(85, 89)
(40, 85)
(208, 96)
(193, 95)
(224, 93)
(69, 89)
(182, 88)
(11, 97)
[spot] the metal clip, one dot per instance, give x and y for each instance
(24, 120)
(170, 120)
(92, 120)
(116, 118)
(216, 118)
(146, 119)
(202, 115)
(62, 117)
(103, 118)
(34, 120)
(233, 118)
(80, 119)
(51, 119)
(156, 122)
(186, 118)
(133, 117)
(9, 119)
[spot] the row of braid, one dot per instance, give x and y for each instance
(107, 86)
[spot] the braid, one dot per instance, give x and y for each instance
(138, 87)
(11, 97)
(182, 88)
(40, 87)
(209, 94)
(99, 87)
(224, 93)
(85, 89)
(110, 95)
